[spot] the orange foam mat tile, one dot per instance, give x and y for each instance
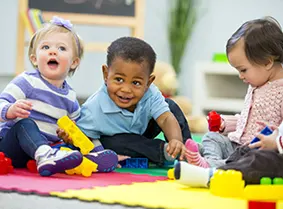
(160, 194)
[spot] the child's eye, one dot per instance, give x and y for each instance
(120, 80)
(45, 47)
(62, 48)
(136, 83)
(243, 71)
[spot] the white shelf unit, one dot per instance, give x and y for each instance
(218, 87)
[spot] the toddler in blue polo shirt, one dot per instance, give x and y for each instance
(128, 111)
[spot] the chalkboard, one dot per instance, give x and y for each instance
(97, 7)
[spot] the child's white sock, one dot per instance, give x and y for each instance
(191, 175)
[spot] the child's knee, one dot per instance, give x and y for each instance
(212, 136)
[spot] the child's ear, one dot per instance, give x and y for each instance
(150, 80)
(32, 59)
(105, 72)
(269, 64)
(75, 63)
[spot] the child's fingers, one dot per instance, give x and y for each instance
(255, 145)
(177, 150)
(123, 157)
(247, 143)
(170, 149)
(24, 105)
(21, 113)
(70, 141)
(183, 153)
(273, 127)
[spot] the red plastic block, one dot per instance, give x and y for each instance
(5, 164)
(214, 121)
(261, 205)
(31, 166)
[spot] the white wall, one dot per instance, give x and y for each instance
(218, 19)
(88, 78)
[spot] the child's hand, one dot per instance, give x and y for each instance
(266, 142)
(20, 109)
(63, 135)
(176, 147)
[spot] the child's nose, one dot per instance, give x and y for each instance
(52, 52)
(241, 76)
(125, 88)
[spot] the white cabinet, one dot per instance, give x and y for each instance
(218, 87)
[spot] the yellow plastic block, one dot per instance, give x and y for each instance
(170, 174)
(227, 183)
(263, 192)
(85, 168)
(79, 138)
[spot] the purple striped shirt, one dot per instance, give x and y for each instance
(49, 103)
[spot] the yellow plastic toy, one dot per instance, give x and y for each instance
(264, 192)
(227, 183)
(79, 139)
(170, 174)
(85, 168)
(230, 184)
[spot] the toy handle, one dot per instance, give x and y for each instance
(214, 121)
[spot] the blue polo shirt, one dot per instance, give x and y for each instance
(101, 116)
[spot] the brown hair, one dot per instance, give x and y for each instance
(51, 28)
(263, 40)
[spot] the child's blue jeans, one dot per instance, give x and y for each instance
(21, 142)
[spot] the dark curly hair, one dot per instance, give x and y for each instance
(131, 49)
(263, 40)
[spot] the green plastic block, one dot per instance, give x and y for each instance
(220, 57)
(278, 181)
(265, 181)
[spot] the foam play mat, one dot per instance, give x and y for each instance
(26, 182)
(148, 188)
(160, 194)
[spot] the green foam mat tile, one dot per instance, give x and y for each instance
(149, 171)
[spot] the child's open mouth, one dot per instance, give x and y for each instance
(124, 99)
(52, 64)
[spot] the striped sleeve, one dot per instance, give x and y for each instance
(17, 89)
(75, 114)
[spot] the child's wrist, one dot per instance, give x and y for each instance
(222, 126)
(279, 142)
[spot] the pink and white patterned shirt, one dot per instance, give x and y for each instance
(263, 103)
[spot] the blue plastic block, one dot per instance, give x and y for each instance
(266, 131)
(134, 163)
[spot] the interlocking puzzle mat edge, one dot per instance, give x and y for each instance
(23, 181)
(159, 194)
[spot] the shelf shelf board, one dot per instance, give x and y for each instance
(217, 68)
(221, 104)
